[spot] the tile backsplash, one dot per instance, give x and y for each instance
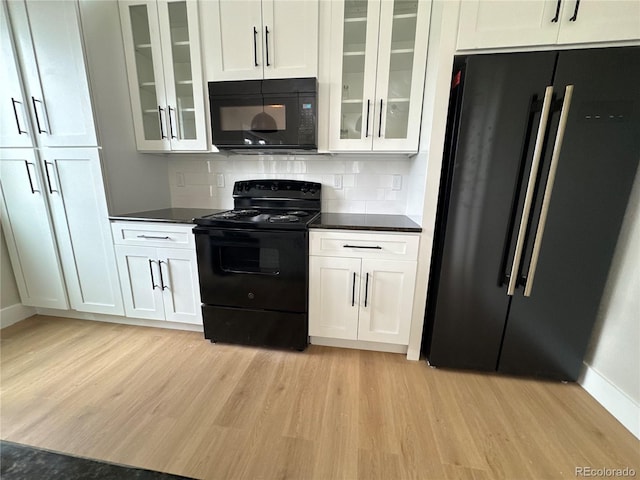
(350, 184)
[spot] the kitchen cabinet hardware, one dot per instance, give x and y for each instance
(161, 122)
(366, 290)
(255, 46)
(353, 291)
(15, 112)
(46, 171)
(546, 199)
(575, 12)
(171, 134)
(266, 45)
(166, 237)
(531, 187)
(164, 286)
(33, 190)
(153, 282)
(380, 124)
(35, 111)
(557, 15)
(376, 247)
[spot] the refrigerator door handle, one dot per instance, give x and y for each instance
(546, 200)
(528, 199)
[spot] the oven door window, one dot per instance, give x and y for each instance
(249, 259)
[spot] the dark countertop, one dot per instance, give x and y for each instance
(362, 221)
(170, 215)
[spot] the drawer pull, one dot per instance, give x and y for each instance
(153, 237)
(363, 246)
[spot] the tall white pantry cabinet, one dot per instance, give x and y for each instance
(52, 198)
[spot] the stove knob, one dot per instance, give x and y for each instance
(303, 189)
(251, 295)
(274, 187)
(312, 191)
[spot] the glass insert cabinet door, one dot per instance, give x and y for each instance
(161, 43)
(377, 85)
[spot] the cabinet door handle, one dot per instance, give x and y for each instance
(35, 111)
(171, 123)
(15, 112)
(555, 19)
(160, 262)
(33, 190)
(366, 290)
(160, 110)
(153, 282)
(380, 124)
(266, 42)
(575, 12)
(362, 246)
(255, 47)
(46, 171)
(154, 237)
(353, 291)
(368, 108)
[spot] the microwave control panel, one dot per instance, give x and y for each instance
(307, 120)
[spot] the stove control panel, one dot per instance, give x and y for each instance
(277, 189)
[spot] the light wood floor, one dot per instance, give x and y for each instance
(171, 401)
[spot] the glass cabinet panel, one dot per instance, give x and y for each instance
(405, 13)
(353, 67)
(184, 114)
(139, 16)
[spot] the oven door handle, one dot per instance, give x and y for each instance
(247, 272)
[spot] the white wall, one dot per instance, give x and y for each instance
(367, 180)
(135, 181)
(614, 352)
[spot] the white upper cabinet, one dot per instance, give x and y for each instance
(14, 127)
(377, 74)
(254, 39)
(49, 48)
(28, 230)
(162, 51)
(493, 23)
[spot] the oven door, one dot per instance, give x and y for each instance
(254, 269)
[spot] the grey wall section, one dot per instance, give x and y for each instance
(8, 289)
(134, 181)
(614, 351)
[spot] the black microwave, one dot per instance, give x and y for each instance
(264, 114)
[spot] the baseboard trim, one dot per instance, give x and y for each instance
(14, 314)
(614, 400)
(358, 344)
(139, 322)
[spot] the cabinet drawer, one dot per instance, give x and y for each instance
(347, 243)
(153, 235)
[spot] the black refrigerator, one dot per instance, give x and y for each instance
(541, 153)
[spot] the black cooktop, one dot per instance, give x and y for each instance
(271, 204)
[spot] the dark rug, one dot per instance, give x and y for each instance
(22, 462)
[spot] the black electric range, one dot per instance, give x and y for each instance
(253, 264)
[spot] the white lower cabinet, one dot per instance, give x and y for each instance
(361, 286)
(54, 216)
(159, 279)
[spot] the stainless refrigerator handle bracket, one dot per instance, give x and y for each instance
(555, 158)
(528, 199)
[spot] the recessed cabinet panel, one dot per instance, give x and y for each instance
(600, 21)
(29, 232)
(79, 212)
(388, 288)
(334, 294)
(49, 46)
(181, 290)
(15, 130)
(140, 280)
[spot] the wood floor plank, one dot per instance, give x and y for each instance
(171, 401)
